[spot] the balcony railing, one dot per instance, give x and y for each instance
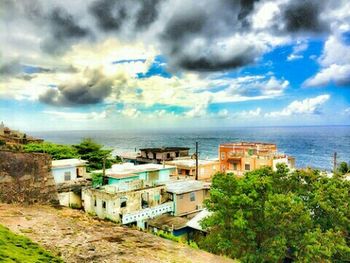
(147, 213)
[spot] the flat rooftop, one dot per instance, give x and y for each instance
(191, 162)
(184, 186)
(68, 163)
(165, 149)
(248, 144)
(129, 169)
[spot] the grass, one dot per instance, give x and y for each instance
(17, 248)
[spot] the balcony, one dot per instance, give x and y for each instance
(147, 213)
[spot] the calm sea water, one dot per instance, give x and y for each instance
(312, 146)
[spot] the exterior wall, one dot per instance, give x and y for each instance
(150, 177)
(113, 201)
(206, 171)
(70, 199)
(26, 178)
(58, 174)
(81, 171)
(183, 204)
(112, 180)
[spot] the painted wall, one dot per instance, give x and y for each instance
(58, 174)
(70, 199)
(94, 201)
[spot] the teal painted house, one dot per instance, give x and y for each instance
(150, 174)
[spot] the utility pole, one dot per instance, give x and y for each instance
(335, 162)
(104, 166)
(196, 160)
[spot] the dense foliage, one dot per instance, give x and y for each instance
(15, 248)
(87, 150)
(343, 168)
(93, 152)
(57, 151)
(270, 216)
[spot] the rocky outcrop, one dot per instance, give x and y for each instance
(26, 178)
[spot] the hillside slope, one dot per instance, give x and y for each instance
(77, 237)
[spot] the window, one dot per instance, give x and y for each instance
(67, 176)
(181, 196)
(235, 166)
(95, 203)
(123, 202)
(247, 167)
(104, 204)
(223, 155)
(192, 196)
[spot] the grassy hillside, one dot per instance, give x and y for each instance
(16, 248)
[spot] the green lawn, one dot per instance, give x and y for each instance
(16, 248)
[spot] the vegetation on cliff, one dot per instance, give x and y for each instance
(87, 150)
(270, 216)
(16, 248)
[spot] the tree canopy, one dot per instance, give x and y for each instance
(94, 153)
(271, 216)
(57, 151)
(87, 150)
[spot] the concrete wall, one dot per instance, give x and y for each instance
(94, 201)
(58, 174)
(26, 178)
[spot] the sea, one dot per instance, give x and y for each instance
(312, 146)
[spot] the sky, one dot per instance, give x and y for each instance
(137, 64)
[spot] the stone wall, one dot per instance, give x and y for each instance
(26, 178)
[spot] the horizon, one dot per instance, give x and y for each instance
(174, 64)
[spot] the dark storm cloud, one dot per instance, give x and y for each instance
(211, 63)
(304, 15)
(217, 20)
(93, 91)
(64, 30)
(109, 15)
(112, 15)
(147, 14)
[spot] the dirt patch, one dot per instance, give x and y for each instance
(77, 237)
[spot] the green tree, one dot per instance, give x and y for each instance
(268, 216)
(57, 151)
(343, 168)
(93, 152)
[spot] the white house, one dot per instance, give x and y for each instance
(68, 170)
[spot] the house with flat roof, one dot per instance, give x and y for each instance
(187, 196)
(151, 173)
(241, 157)
(160, 155)
(69, 176)
(68, 169)
(186, 168)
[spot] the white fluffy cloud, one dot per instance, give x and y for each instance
(335, 63)
(303, 107)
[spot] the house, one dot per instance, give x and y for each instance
(68, 169)
(132, 206)
(195, 230)
(241, 157)
(151, 173)
(187, 196)
(159, 155)
(167, 223)
(69, 176)
(187, 168)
